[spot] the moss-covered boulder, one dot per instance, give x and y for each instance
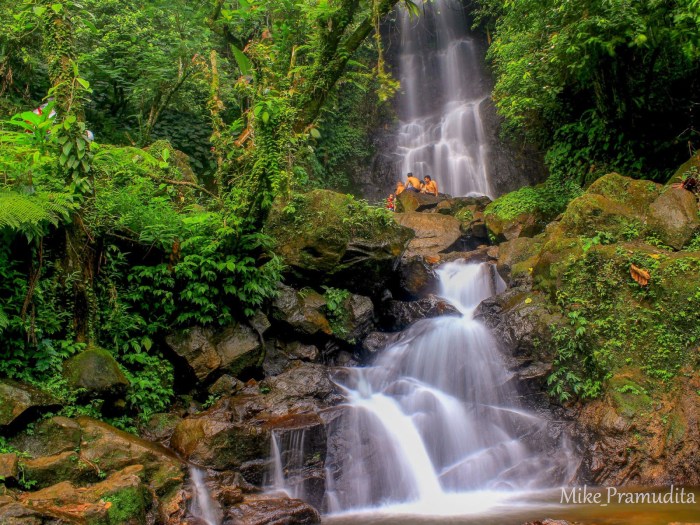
(97, 372)
(330, 238)
(18, 400)
(209, 352)
(524, 212)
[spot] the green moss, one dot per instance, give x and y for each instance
(128, 507)
(465, 215)
(548, 199)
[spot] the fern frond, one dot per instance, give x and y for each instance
(24, 213)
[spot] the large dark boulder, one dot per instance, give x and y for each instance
(330, 238)
(18, 399)
(209, 352)
(416, 278)
(397, 315)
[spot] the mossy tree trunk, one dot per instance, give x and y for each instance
(79, 261)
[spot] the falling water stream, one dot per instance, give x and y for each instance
(441, 132)
(203, 505)
(434, 426)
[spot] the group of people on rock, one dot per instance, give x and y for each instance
(413, 183)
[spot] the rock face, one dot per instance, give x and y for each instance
(208, 352)
(577, 309)
(398, 315)
(17, 398)
(330, 238)
(237, 429)
(96, 371)
(270, 510)
(416, 278)
(434, 232)
(121, 499)
(303, 312)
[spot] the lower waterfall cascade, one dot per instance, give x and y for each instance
(435, 422)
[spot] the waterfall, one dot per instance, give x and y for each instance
(441, 132)
(436, 416)
(203, 505)
(287, 451)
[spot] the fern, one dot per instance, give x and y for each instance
(28, 214)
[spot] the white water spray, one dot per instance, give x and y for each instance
(441, 132)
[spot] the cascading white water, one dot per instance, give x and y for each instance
(203, 505)
(437, 416)
(441, 132)
(287, 455)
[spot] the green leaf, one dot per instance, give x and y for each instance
(83, 82)
(315, 133)
(165, 154)
(244, 63)
(57, 8)
(265, 117)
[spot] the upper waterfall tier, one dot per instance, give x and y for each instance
(441, 132)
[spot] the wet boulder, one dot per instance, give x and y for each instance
(18, 400)
(208, 351)
(416, 278)
(236, 429)
(377, 341)
(434, 232)
(97, 372)
(266, 509)
(397, 315)
(330, 238)
(303, 312)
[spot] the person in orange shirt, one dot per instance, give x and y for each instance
(430, 186)
(399, 188)
(414, 183)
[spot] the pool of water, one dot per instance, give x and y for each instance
(488, 508)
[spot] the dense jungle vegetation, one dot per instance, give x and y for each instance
(205, 112)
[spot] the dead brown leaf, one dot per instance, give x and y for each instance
(640, 275)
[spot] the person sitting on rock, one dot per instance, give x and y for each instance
(414, 183)
(430, 186)
(390, 203)
(400, 187)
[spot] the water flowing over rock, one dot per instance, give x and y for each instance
(442, 131)
(437, 413)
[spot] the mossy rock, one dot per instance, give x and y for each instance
(592, 213)
(330, 238)
(689, 167)
(96, 371)
(637, 194)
